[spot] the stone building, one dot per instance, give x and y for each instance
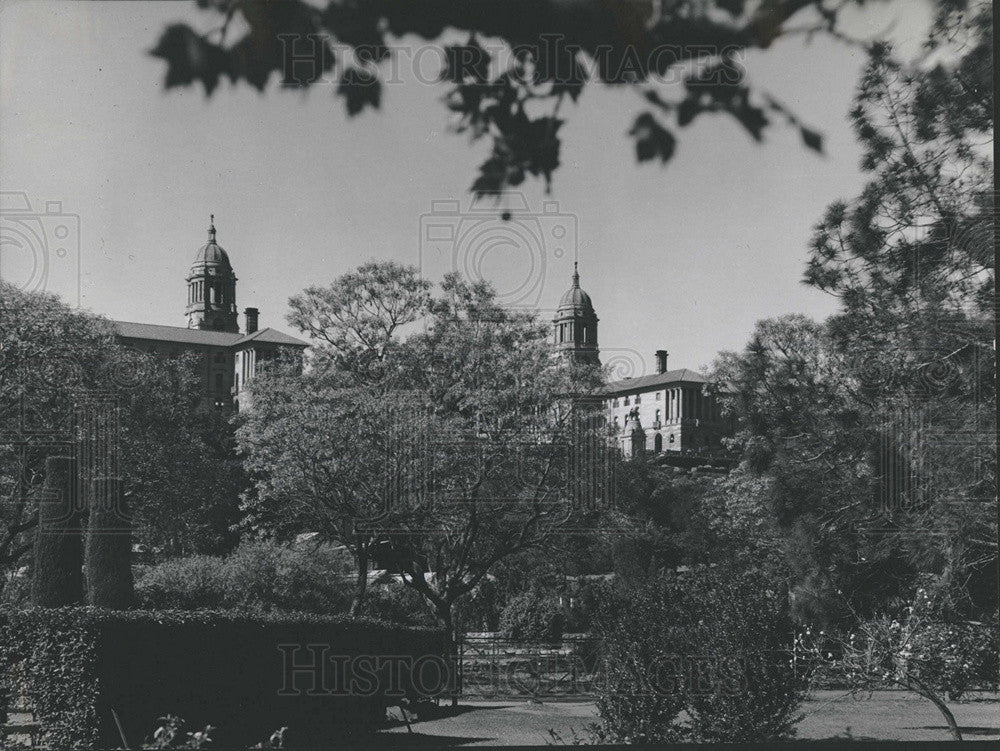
(229, 357)
(670, 410)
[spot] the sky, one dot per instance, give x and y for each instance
(685, 257)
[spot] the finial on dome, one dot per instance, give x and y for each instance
(211, 228)
(576, 275)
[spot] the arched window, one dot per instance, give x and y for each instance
(658, 443)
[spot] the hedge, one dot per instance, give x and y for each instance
(76, 668)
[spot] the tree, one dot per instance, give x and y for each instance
(911, 261)
(920, 647)
(439, 454)
(500, 466)
(353, 323)
(320, 461)
(683, 58)
(316, 443)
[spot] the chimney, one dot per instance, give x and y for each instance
(661, 361)
(252, 315)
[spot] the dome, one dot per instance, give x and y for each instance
(575, 297)
(211, 252)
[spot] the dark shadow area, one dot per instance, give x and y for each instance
(970, 730)
(416, 740)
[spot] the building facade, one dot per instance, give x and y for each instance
(670, 410)
(228, 357)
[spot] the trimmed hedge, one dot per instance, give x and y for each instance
(78, 667)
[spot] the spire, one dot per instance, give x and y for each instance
(211, 228)
(576, 276)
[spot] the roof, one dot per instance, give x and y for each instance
(211, 253)
(271, 336)
(181, 335)
(683, 375)
(177, 334)
(575, 299)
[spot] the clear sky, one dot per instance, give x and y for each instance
(685, 257)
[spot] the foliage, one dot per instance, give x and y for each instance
(168, 735)
(533, 616)
(870, 436)
(714, 642)
(75, 663)
(316, 444)
(398, 604)
(683, 61)
(258, 576)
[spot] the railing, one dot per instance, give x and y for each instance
(490, 666)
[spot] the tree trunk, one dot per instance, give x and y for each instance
(361, 581)
(938, 702)
(444, 616)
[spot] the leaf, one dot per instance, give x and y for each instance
(190, 58)
(652, 140)
(812, 139)
(466, 62)
(360, 88)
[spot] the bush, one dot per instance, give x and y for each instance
(533, 616)
(185, 583)
(715, 643)
(260, 576)
(398, 603)
(79, 667)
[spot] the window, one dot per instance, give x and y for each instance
(658, 395)
(626, 401)
(218, 383)
(220, 358)
(657, 417)
(638, 398)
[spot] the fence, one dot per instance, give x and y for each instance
(490, 666)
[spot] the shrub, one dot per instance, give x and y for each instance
(398, 603)
(186, 583)
(533, 616)
(80, 667)
(262, 576)
(714, 643)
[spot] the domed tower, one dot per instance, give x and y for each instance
(212, 288)
(574, 329)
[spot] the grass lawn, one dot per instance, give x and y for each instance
(887, 715)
